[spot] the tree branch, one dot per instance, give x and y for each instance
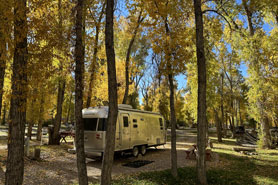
(217, 12)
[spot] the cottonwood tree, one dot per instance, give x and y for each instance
(202, 118)
(97, 19)
(135, 30)
(108, 156)
(79, 70)
(168, 41)
(61, 81)
(5, 28)
(15, 159)
(2, 56)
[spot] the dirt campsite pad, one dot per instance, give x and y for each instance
(58, 166)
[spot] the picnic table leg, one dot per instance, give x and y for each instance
(63, 139)
(187, 154)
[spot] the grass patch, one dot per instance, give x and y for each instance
(234, 168)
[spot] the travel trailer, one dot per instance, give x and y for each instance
(136, 130)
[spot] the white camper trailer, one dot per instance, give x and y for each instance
(136, 130)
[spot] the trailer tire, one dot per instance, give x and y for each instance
(135, 151)
(143, 150)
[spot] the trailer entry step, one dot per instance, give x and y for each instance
(137, 164)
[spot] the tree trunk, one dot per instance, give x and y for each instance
(174, 169)
(79, 70)
(128, 58)
(58, 117)
(249, 17)
(226, 121)
(222, 106)
(108, 157)
(41, 111)
(15, 160)
(232, 127)
(94, 62)
(201, 117)
(31, 123)
(61, 84)
(2, 75)
(265, 131)
(218, 126)
(2, 57)
(4, 114)
(68, 113)
(239, 111)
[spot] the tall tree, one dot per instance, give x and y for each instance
(15, 160)
(201, 117)
(174, 165)
(95, 52)
(127, 61)
(3, 50)
(79, 70)
(108, 157)
(55, 140)
(255, 67)
(173, 121)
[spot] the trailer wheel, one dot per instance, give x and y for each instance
(143, 149)
(135, 151)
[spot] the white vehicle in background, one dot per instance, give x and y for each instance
(136, 130)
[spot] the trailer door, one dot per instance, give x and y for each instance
(125, 130)
(162, 130)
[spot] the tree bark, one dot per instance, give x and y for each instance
(41, 111)
(265, 131)
(68, 113)
(108, 157)
(94, 62)
(2, 57)
(201, 117)
(31, 123)
(4, 114)
(2, 75)
(79, 86)
(239, 111)
(174, 168)
(127, 61)
(58, 116)
(249, 17)
(218, 126)
(15, 159)
(222, 106)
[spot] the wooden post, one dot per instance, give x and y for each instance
(27, 147)
(37, 153)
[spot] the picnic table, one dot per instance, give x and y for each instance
(64, 134)
(193, 152)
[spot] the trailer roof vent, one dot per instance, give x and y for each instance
(125, 106)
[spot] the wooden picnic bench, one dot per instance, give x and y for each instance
(64, 134)
(192, 152)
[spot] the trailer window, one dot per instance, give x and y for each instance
(161, 123)
(102, 124)
(90, 124)
(125, 118)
